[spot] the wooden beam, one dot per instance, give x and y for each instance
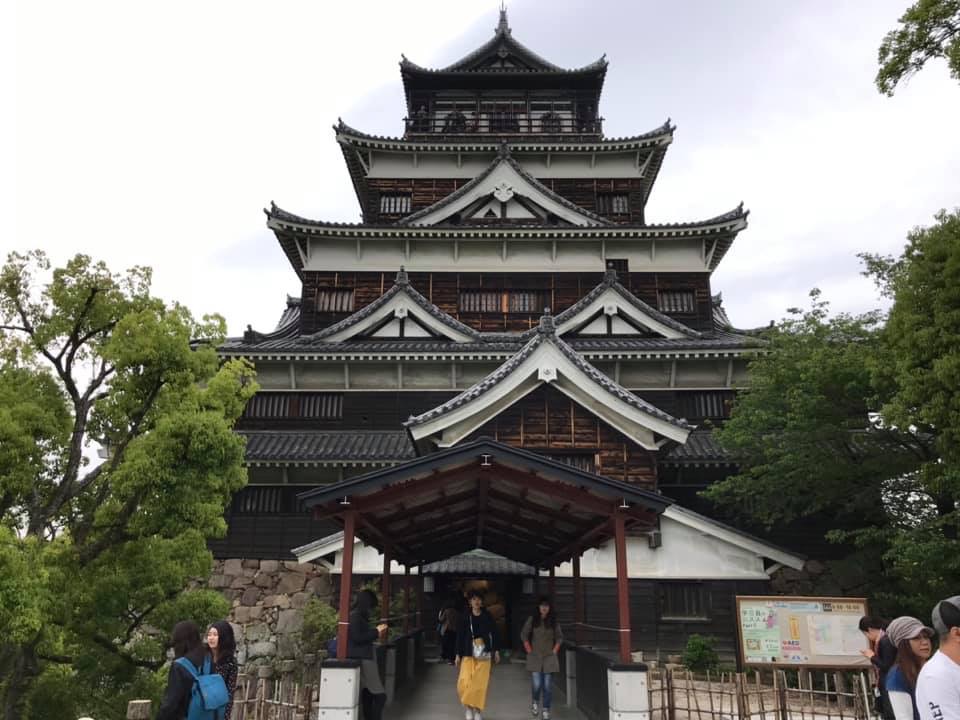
(346, 577)
(385, 588)
(623, 595)
(413, 511)
(483, 487)
(585, 540)
(578, 598)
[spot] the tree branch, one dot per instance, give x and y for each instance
(108, 645)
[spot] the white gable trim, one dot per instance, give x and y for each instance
(502, 184)
(611, 302)
(719, 531)
(399, 306)
(547, 364)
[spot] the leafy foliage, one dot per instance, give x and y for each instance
(928, 29)
(700, 655)
(319, 625)
(95, 555)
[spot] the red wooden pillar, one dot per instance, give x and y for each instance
(578, 598)
(346, 579)
(407, 589)
(623, 598)
(385, 587)
(552, 586)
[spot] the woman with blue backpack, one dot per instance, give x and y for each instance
(194, 691)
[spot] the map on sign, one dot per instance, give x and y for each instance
(801, 631)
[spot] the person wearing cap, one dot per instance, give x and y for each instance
(912, 640)
(938, 686)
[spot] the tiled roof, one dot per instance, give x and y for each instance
(478, 562)
(288, 327)
(517, 146)
(327, 445)
(503, 156)
(701, 447)
(401, 285)
(503, 39)
(546, 333)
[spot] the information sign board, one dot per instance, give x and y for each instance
(801, 631)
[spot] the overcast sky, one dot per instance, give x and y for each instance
(154, 133)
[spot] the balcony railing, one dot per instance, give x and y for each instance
(502, 123)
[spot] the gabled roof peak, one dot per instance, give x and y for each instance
(503, 27)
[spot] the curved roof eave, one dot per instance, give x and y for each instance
(662, 135)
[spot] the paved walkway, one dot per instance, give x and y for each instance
(434, 696)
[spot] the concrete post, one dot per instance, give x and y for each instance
(339, 697)
(628, 692)
(571, 663)
(390, 673)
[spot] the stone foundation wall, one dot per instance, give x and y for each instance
(267, 598)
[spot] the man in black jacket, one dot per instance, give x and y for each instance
(883, 654)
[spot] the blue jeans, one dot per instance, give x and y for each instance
(543, 680)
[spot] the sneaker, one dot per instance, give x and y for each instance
(546, 714)
(477, 715)
(534, 709)
(469, 713)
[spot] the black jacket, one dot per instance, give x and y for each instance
(360, 636)
(476, 626)
(176, 698)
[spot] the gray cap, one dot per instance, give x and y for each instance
(947, 615)
(906, 628)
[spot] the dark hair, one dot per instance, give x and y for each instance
(909, 662)
(949, 615)
(366, 601)
(474, 594)
(226, 642)
(186, 642)
(550, 620)
(871, 622)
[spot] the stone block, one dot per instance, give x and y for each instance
(257, 632)
(277, 601)
(239, 582)
(250, 563)
(289, 621)
(288, 646)
(291, 583)
(219, 581)
(263, 581)
(320, 585)
(233, 567)
(241, 615)
(302, 568)
(261, 650)
(256, 612)
(250, 596)
(269, 566)
(300, 600)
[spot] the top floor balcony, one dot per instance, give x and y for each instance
(451, 123)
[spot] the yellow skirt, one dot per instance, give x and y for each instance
(473, 682)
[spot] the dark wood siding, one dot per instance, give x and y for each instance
(548, 421)
(443, 289)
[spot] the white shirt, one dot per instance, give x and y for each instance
(938, 689)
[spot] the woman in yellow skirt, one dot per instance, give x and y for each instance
(477, 649)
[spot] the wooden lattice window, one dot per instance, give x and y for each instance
(706, 404)
(613, 204)
(503, 301)
(395, 204)
(677, 301)
(313, 406)
(334, 300)
(684, 601)
(581, 461)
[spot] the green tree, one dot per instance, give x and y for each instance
(922, 337)
(928, 29)
(96, 555)
(809, 437)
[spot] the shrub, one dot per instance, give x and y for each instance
(700, 655)
(319, 625)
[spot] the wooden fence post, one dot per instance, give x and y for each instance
(139, 710)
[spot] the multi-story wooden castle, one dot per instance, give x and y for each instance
(505, 283)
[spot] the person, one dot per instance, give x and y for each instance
(360, 647)
(912, 640)
(223, 646)
(542, 638)
(938, 685)
(186, 644)
(448, 632)
(882, 654)
(477, 645)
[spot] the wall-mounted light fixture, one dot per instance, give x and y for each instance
(624, 505)
(345, 501)
(485, 460)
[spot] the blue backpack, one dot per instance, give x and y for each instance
(209, 698)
